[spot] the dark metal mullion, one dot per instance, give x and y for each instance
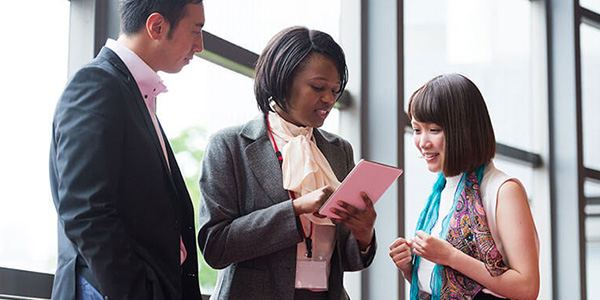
(402, 117)
(228, 55)
(591, 174)
(22, 283)
(592, 200)
(582, 170)
(590, 17)
(533, 159)
(581, 176)
(364, 89)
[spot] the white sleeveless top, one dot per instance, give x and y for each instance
(489, 186)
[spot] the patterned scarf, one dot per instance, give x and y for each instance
(466, 228)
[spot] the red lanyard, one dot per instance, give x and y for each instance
(307, 239)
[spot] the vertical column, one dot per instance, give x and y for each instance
(92, 22)
(382, 132)
(566, 179)
(350, 116)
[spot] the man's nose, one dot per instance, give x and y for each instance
(199, 45)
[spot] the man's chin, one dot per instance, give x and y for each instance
(174, 70)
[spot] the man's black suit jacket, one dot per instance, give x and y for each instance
(121, 212)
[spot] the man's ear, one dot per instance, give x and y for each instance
(157, 26)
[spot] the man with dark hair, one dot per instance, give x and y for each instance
(125, 218)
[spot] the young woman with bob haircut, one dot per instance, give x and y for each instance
(263, 182)
(475, 237)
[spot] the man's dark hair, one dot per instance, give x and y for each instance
(134, 13)
(455, 103)
(284, 55)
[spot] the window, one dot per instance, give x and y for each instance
(590, 76)
(473, 38)
(591, 4)
(590, 107)
(35, 71)
(251, 24)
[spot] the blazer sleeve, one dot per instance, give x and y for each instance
(227, 235)
(87, 142)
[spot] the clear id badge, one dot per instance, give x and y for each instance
(311, 274)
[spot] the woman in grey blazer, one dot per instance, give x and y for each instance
(258, 216)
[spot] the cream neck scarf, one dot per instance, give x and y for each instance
(304, 168)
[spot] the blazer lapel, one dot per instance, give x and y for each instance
(263, 161)
(331, 149)
(142, 109)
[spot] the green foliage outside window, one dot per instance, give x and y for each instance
(188, 147)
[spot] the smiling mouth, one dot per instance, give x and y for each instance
(322, 113)
(430, 156)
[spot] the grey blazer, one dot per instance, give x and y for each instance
(247, 223)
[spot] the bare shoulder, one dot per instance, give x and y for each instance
(511, 189)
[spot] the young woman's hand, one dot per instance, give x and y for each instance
(433, 249)
(360, 222)
(401, 254)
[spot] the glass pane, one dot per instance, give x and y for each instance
(251, 24)
(590, 76)
(472, 37)
(591, 5)
(591, 189)
(35, 72)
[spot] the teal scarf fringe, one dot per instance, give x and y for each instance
(427, 219)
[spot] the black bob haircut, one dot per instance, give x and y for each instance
(284, 54)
